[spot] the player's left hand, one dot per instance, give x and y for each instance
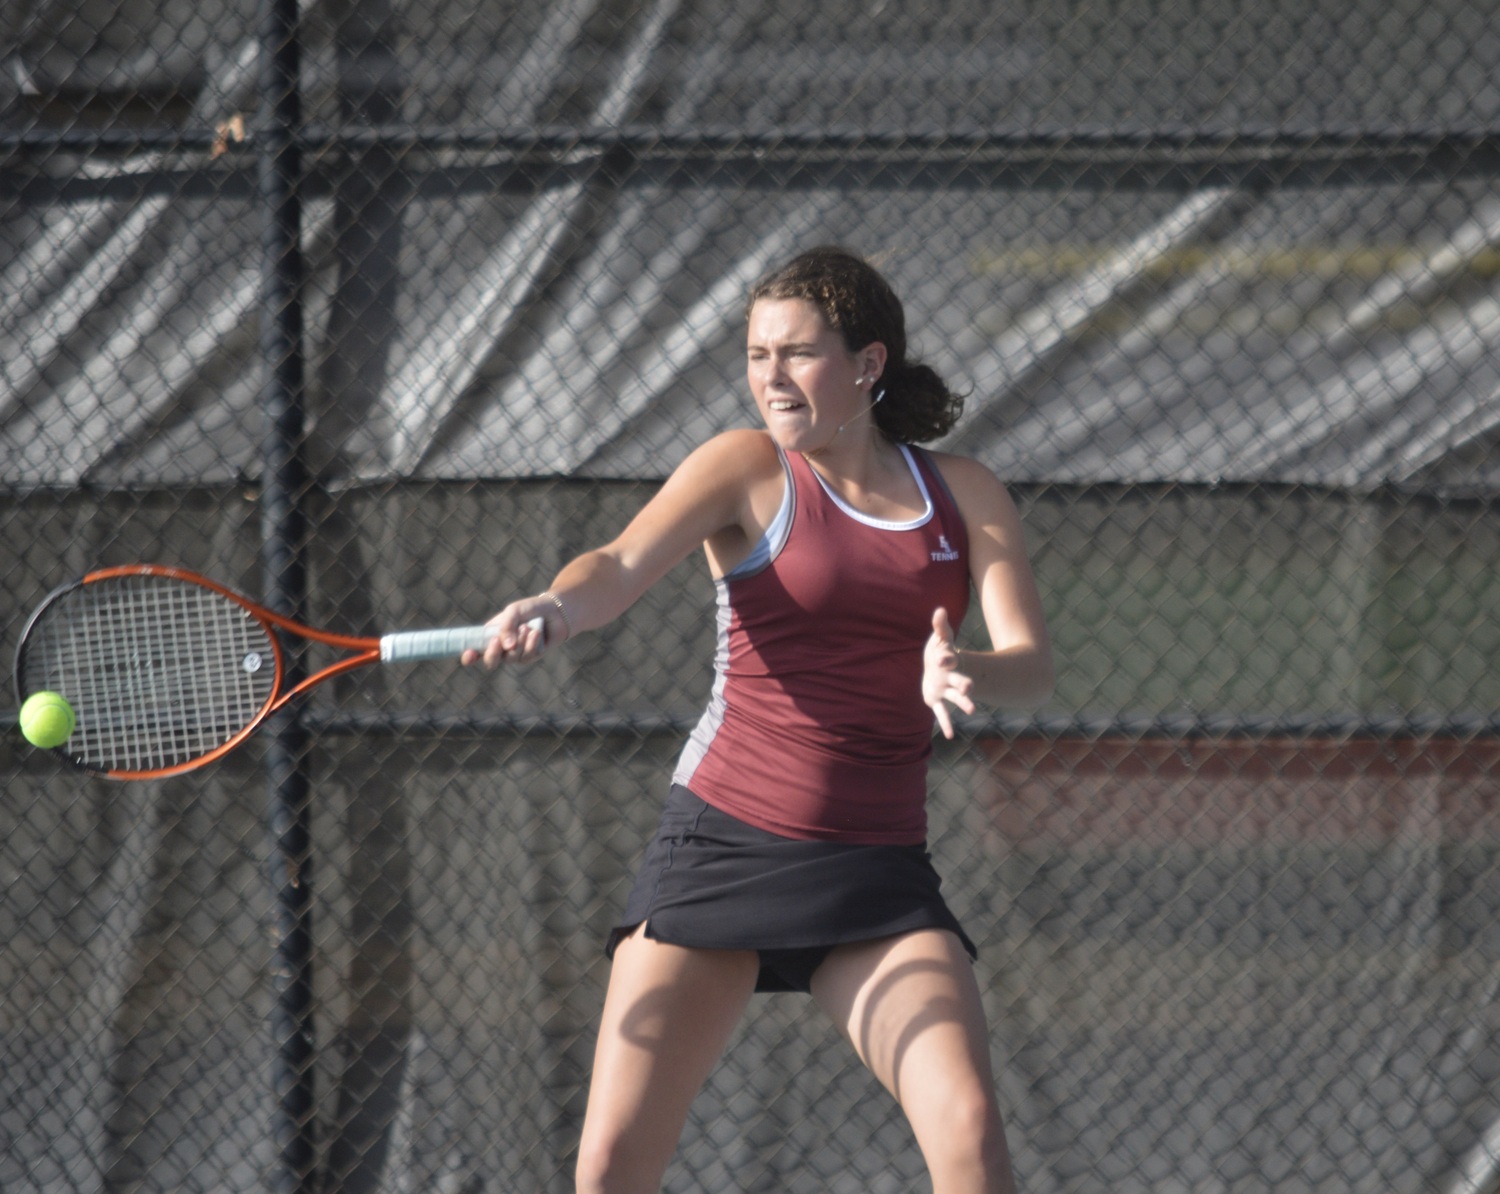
(942, 683)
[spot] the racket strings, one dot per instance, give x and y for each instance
(159, 671)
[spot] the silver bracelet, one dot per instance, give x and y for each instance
(561, 613)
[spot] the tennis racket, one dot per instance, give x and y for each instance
(167, 670)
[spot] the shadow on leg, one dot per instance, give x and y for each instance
(911, 1009)
(668, 1014)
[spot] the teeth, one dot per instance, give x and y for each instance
(784, 405)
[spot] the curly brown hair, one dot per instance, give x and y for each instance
(859, 304)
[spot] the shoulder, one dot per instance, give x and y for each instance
(728, 460)
(742, 452)
(727, 491)
(983, 501)
(976, 489)
(744, 448)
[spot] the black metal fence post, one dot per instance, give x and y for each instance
(284, 533)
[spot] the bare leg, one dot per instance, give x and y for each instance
(667, 1016)
(911, 1008)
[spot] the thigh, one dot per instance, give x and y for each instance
(667, 1015)
(908, 1004)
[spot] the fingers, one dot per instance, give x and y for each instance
(956, 693)
(940, 625)
(945, 722)
(943, 685)
(512, 641)
(941, 651)
(533, 638)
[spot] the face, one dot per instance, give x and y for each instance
(803, 379)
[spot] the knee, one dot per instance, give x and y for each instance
(966, 1132)
(612, 1166)
(596, 1162)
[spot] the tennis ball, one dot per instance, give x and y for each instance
(47, 720)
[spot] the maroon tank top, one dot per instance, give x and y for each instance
(816, 728)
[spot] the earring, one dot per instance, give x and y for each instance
(859, 381)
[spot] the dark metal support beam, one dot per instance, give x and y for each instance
(284, 582)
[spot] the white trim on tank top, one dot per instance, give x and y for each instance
(766, 547)
(881, 524)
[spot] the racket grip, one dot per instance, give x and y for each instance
(411, 645)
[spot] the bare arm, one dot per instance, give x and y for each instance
(1017, 670)
(707, 499)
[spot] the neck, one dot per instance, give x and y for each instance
(864, 426)
(876, 481)
(858, 457)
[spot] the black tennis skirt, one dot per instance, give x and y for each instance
(710, 881)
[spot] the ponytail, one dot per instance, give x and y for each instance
(919, 406)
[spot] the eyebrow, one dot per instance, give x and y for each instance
(789, 345)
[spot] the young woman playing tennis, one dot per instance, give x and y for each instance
(791, 854)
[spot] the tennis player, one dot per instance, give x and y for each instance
(791, 851)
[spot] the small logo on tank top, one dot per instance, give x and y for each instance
(946, 553)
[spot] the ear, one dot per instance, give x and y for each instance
(872, 360)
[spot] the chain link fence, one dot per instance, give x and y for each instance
(381, 311)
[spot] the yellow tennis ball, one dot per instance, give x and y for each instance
(47, 720)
